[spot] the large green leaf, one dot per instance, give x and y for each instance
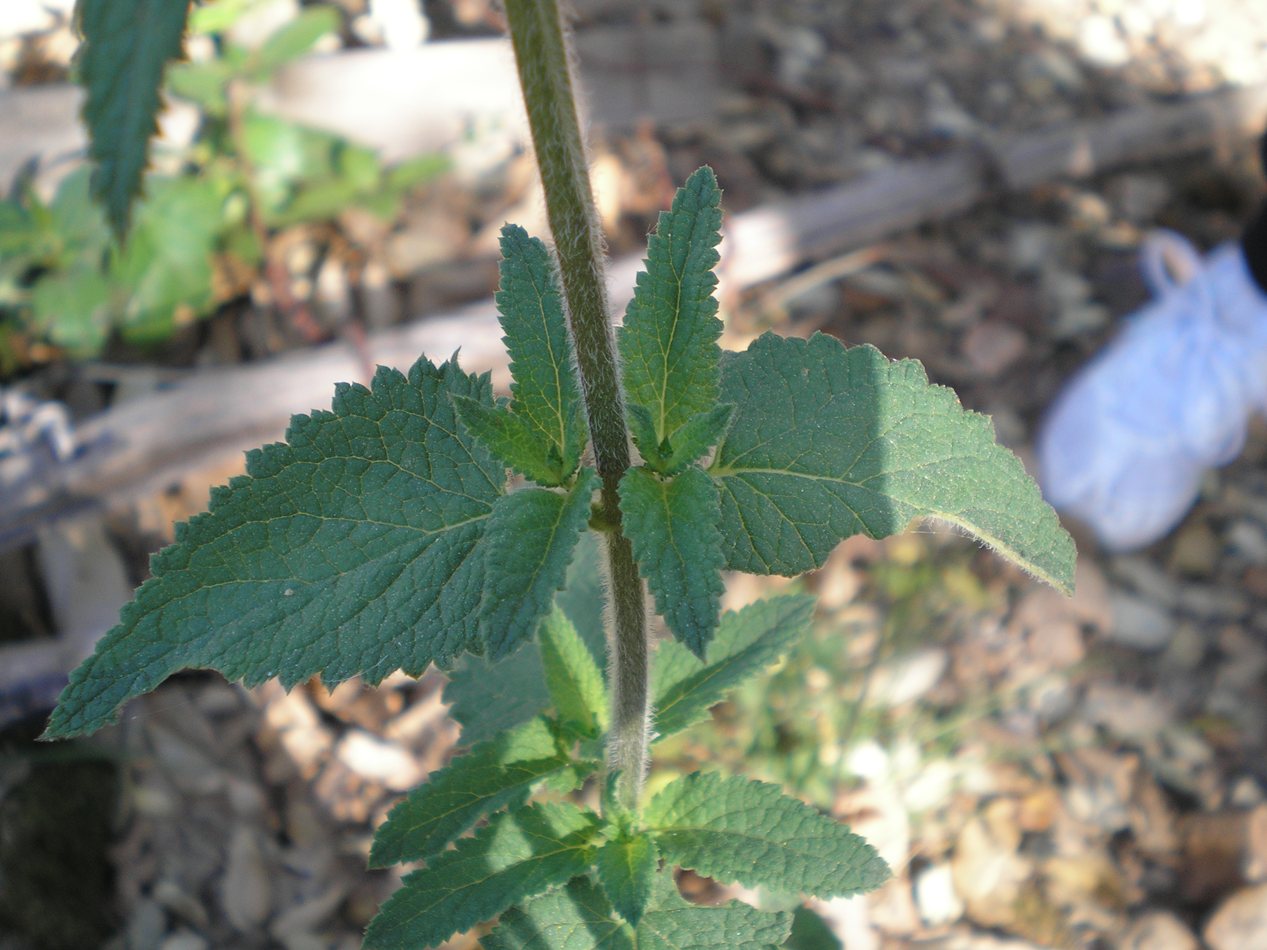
(530, 542)
(747, 642)
(668, 342)
(579, 917)
(828, 442)
(127, 43)
(516, 856)
(735, 829)
(572, 676)
(672, 525)
(490, 776)
(544, 390)
(353, 548)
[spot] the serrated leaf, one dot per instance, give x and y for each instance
(689, 443)
(575, 917)
(695, 437)
(573, 678)
(626, 866)
(672, 525)
(544, 391)
(127, 43)
(828, 442)
(491, 775)
(579, 917)
(747, 642)
(531, 538)
(488, 697)
(353, 548)
(512, 439)
(668, 342)
(515, 856)
(735, 829)
(672, 923)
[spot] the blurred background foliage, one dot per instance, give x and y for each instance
(202, 231)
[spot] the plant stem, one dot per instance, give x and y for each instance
(543, 56)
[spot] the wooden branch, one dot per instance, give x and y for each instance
(138, 447)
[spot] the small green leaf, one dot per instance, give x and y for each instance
(512, 439)
(127, 44)
(544, 391)
(353, 548)
(517, 855)
(531, 538)
(695, 437)
(672, 525)
(579, 917)
(829, 442)
(573, 678)
(626, 866)
(734, 829)
(73, 307)
(668, 342)
(492, 775)
(747, 642)
(292, 40)
(488, 697)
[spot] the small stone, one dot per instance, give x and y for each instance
(1249, 540)
(1240, 923)
(246, 893)
(185, 940)
(992, 346)
(379, 760)
(1159, 930)
(1139, 624)
(1101, 43)
(907, 678)
(1196, 550)
(1125, 712)
(935, 896)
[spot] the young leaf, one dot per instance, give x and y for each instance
(626, 866)
(512, 439)
(734, 829)
(696, 437)
(828, 442)
(292, 40)
(668, 343)
(353, 548)
(490, 776)
(127, 43)
(573, 678)
(488, 697)
(672, 525)
(544, 389)
(746, 643)
(516, 856)
(531, 538)
(579, 917)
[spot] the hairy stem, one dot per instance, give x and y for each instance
(543, 57)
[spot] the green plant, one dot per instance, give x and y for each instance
(381, 535)
(63, 276)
